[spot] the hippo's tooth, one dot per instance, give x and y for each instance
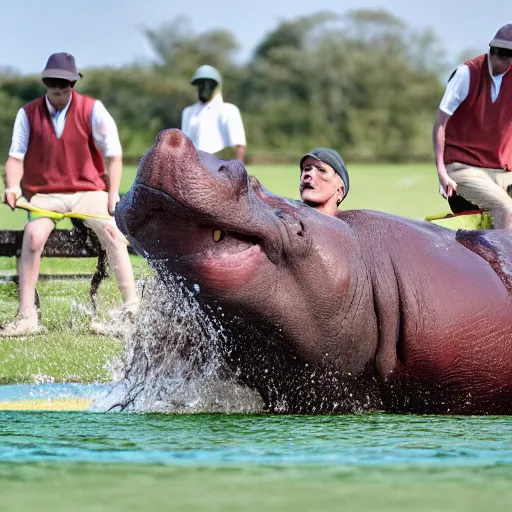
(218, 235)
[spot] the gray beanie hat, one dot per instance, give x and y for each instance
(332, 158)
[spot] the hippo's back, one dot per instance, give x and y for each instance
(495, 247)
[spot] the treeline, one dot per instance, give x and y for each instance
(364, 83)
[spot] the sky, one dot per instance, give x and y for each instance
(108, 32)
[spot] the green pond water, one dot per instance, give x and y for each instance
(109, 461)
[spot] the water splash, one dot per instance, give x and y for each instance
(173, 358)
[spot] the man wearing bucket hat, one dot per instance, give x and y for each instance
(324, 180)
(472, 132)
(211, 124)
(56, 162)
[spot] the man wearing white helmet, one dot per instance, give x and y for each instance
(211, 124)
(472, 132)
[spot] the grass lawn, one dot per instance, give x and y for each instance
(70, 352)
(120, 487)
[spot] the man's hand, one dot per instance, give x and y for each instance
(240, 153)
(447, 187)
(11, 195)
(113, 199)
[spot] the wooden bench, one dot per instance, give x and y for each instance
(78, 242)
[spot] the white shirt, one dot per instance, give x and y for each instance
(104, 130)
(457, 89)
(213, 126)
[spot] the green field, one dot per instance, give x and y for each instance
(69, 352)
(121, 487)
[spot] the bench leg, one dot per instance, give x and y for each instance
(97, 278)
(37, 304)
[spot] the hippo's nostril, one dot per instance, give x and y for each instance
(218, 235)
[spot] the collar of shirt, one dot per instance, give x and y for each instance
(53, 111)
(214, 103)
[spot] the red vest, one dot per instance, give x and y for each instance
(69, 164)
(480, 132)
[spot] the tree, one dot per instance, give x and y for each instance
(179, 51)
(9, 106)
(360, 87)
(364, 83)
(296, 34)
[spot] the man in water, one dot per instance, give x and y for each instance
(324, 180)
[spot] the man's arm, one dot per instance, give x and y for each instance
(456, 92)
(14, 164)
(236, 131)
(114, 170)
(446, 185)
(13, 176)
(106, 137)
(240, 153)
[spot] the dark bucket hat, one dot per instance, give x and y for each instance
(332, 158)
(503, 38)
(61, 65)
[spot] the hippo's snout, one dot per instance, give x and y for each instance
(196, 180)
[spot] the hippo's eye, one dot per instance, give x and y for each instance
(218, 235)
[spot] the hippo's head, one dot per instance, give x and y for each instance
(206, 217)
(269, 257)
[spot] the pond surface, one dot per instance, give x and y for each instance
(259, 439)
(71, 461)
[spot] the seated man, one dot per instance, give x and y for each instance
(324, 180)
(472, 133)
(60, 143)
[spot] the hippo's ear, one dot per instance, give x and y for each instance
(255, 184)
(258, 188)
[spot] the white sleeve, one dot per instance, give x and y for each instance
(234, 126)
(20, 135)
(104, 131)
(185, 121)
(456, 91)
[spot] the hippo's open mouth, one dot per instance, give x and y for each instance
(198, 247)
(230, 251)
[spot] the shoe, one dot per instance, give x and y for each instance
(127, 312)
(103, 328)
(22, 326)
(123, 319)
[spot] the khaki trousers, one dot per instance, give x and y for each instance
(487, 188)
(111, 239)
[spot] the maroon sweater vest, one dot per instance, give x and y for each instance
(69, 164)
(480, 132)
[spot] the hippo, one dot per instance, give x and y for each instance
(360, 311)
